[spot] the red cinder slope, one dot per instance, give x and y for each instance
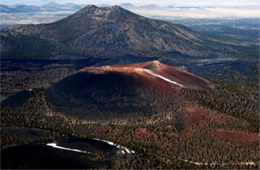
(159, 71)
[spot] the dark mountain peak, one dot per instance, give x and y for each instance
(117, 7)
(114, 12)
(91, 7)
(106, 32)
(119, 13)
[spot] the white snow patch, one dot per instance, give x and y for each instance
(54, 145)
(124, 149)
(161, 77)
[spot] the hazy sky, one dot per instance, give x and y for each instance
(213, 3)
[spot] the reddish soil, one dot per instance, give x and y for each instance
(223, 144)
(236, 135)
(200, 116)
(117, 132)
(145, 79)
(178, 75)
(143, 134)
(201, 149)
(183, 77)
(101, 129)
(159, 84)
(175, 74)
(196, 115)
(189, 132)
(164, 146)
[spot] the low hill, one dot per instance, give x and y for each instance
(122, 91)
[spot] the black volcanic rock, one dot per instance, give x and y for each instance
(103, 32)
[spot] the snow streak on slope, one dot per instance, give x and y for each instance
(54, 145)
(161, 77)
(124, 149)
